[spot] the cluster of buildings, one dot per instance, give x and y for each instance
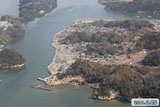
(86, 26)
(81, 47)
(4, 24)
(89, 28)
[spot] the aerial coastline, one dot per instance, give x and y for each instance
(63, 51)
(64, 56)
(68, 55)
(93, 58)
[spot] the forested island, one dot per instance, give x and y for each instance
(31, 9)
(119, 59)
(10, 28)
(11, 59)
(135, 6)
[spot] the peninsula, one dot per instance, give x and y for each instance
(31, 9)
(112, 56)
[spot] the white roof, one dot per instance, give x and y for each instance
(3, 22)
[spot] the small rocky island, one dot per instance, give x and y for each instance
(31, 9)
(133, 6)
(10, 28)
(11, 59)
(119, 59)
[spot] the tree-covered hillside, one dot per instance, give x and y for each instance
(152, 59)
(140, 6)
(129, 81)
(10, 58)
(30, 9)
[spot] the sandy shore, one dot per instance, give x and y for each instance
(14, 66)
(64, 56)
